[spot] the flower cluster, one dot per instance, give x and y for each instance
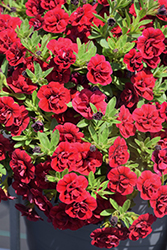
(83, 112)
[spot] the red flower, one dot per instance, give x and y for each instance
(159, 157)
(63, 50)
(83, 17)
(103, 2)
(56, 20)
(129, 96)
(153, 62)
(69, 132)
(141, 227)
(87, 160)
(53, 97)
(147, 184)
(72, 188)
(121, 180)
(19, 84)
(6, 21)
(133, 59)
(82, 99)
(144, 83)
(41, 201)
(118, 153)
(61, 220)
(7, 38)
(8, 110)
(70, 115)
(20, 122)
(41, 170)
(15, 54)
(4, 146)
(150, 44)
(158, 202)
(36, 22)
(163, 111)
(99, 70)
(126, 127)
(106, 237)
(51, 4)
(83, 209)
(55, 75)
(33, 8)
(147, 118)
(65, 156)
(29, 212)
(22, 167)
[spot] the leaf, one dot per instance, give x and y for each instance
(65, 171)
(114, 204)
(44, 141)
(104, 43)
(92, 132)
(93, 107)
(153, 142)
(103, 137)
(51, 178)
(2, 169)
(110, 106)
(126, 205)
(106, 212)
(55, 136)
(4, 66)
(83, 123)
(19, 138)
(125, 222)
(104, 185)
(91, 179)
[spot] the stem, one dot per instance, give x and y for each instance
(77, 69)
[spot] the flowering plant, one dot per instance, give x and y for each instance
(83, 112)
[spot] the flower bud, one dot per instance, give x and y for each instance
(97, 116)
(38, 126)
(92, 148)
(111, 22)
(162, 10)
(114, 220)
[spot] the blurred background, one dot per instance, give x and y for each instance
(5, 228)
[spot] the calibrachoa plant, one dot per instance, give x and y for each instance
(83, 112)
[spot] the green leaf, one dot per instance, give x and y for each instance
(4, 67)
(110, 106)
(3, 82)
(153, 142)
(114, 204)
(19, 144)
(104, 43)
(104, 185)
(83, 123)
(92, 132)
(19, 138)
(44, 141)
(140, 103)
(51, 178)
(106, 212)
(91, 179)
(55, 136)
(103, 137)
(125, 222)
(93, 107)
(65, 171)
(2, 169)
(30, 74)
(126, 205)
